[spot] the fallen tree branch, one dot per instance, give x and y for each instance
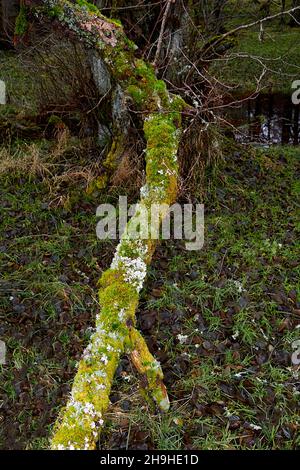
(80, 422)
(150, 370)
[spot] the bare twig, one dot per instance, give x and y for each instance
(250, 25)
(162, 30)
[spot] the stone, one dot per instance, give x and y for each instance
(2, 352)
(2, 92)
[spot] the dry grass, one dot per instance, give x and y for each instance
(62, 167)
(129, 173)
(200, 148)
(29, 161)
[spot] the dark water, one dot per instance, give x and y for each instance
(267, 119)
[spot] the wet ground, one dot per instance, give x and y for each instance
(266, 119)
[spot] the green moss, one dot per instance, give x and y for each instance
(100, 183)
(145, 89)
(159, 131)
(137, 94)
(113, 156)
(21, 24)
(120, 61)
(54, 119)
(55, 12)
(113, 287)
(129, 249)
(130, 44)
(144, 71)
(150, 369)
(162, 168)
(89, 6)
(116, 22)
(118, 294)
(160, 87)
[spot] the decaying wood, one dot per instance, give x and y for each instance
(81, 420)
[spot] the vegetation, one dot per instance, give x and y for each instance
(214, 328)
(278, 51)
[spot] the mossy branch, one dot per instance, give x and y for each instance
(150, 370)
(81, 420)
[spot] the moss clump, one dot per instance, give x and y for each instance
(117, 23)
(122, 64)
(159, 131)
(113, 156)
(21, 24)
(55, 12)
(89, 6)
(102, 181)
(144, 71)
(279, 50)
(162, 169)
(54, 120)
(152, 91)
(137, 94)
(115, 294)
(77, 426)
(177, 104)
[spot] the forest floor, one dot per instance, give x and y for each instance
(278, 54)
(277, 51)
(222, 320)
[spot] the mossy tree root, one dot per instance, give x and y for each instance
(150, 370)
(80, 422)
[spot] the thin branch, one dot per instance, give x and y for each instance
(162, 30)
(250, 25)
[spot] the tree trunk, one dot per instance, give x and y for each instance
(80, 422)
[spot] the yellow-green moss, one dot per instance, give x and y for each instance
(150, 369)
(102, 181)
(89, 6)
(137, 94)
(113, 157)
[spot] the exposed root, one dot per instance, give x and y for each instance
(150, 369)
